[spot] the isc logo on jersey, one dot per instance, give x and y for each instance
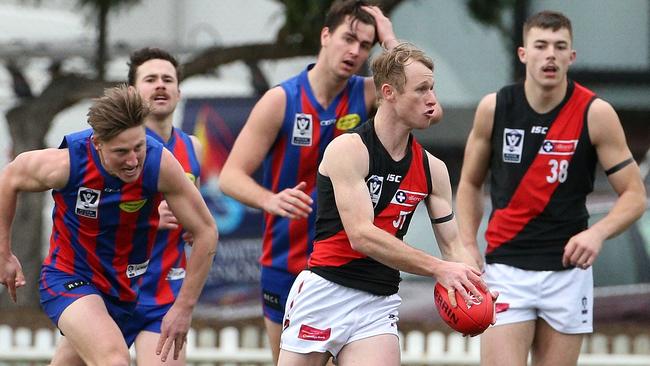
(348, 121)
(407, 198)
(513, 145)
(303, 128)
(558, 147)
(87, 202)
(375, 184)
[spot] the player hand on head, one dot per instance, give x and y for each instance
(11, 274)
(385, 32)
(293, 203)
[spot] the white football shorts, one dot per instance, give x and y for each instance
(322, 316)
(564, 299)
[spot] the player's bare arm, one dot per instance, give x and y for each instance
(32, 171)
(614, 156)
(250, 149)
(187, 204)
(346, 163)
(469, 200)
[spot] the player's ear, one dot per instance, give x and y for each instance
(387, 92)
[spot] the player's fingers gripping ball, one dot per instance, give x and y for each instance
(469, 319)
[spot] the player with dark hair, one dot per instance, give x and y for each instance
(541, 140)
(287, 132)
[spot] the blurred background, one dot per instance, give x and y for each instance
(55, 55)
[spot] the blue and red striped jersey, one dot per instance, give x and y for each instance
(104, 229)
(306, 130)
(163, 280)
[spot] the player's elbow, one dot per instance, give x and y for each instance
(360, 239)
(227, 181)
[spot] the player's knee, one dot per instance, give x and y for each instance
(119, 358)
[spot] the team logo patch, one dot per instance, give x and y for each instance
(558, 147)
(302, 130)
(513, 145)
(133, 270)
(407, 198)
(132, 206)
(175, 274)
(87, 202)
(314, 334)
(375, 184)
(348, 121)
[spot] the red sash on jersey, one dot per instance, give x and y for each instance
(544, 174)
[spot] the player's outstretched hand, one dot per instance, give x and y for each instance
(11, 274)
(173, 331)
(293, 203)
(462, 278)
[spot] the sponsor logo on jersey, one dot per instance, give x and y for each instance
(133, 270)
(375, 184)
(302, 130)
(541, 130)
(407, 198)
(175, 274)
(327, 122)
(348, 121)
(132, 206)
(513, 145)
(87, 202)
(558, 147)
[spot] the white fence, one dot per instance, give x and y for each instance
(247, 346)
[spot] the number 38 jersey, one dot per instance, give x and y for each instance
(395, 189)
(542, 169)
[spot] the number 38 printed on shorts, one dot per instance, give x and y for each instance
(559, 170)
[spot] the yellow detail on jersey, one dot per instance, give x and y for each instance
(132, 206)
(348, 121)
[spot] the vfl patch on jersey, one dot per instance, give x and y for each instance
(133, 270)
(190, 176)
(87, 202)
(348, 121)
(407, 198)
(513, 145)
(302, 130)
(175, 274)
(132, 206)
(558, 147)
(375, 184)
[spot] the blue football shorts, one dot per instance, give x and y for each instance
(276, 285)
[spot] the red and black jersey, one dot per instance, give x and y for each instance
(542, 169)
(395, 189)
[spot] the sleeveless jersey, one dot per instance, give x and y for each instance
(103, 229)
(167, 264)
(542, 169)
(306, 130)
(395, 189)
